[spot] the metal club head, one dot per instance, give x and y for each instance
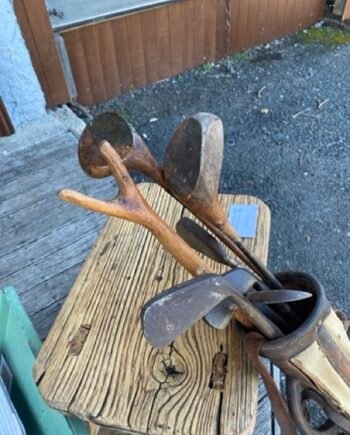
(171, 313)
(280, 296)
(193, 158)
(202, 241)
(212, 297)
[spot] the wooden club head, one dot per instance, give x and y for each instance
(108, 126)
(113, 128)
(193, 158)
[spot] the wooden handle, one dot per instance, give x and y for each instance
(129, 204)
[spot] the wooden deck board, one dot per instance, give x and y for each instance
(44, 243)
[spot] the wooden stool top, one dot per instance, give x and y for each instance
(96, 364)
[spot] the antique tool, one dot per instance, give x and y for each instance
(315, 355)
(110, 126)
(192, 166)
(211, 296)
(239, 278)
(137, 157)
(200, 240)
(129, 204)
(172, 312)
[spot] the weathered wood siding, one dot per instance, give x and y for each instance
(113, 56)
(37, 33)
(116, 55)
(254, 22)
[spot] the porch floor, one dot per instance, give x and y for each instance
(44, 241)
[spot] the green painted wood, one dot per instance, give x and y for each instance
(20, 344)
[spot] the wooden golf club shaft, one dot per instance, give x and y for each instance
(214, 218)
(236, 245)
(130, 205)
(137, 156)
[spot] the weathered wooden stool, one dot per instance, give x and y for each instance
(95, 363)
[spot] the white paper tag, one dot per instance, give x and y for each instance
(243, 218)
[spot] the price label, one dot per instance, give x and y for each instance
(243, 218)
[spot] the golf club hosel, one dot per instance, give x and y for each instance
(139, 158)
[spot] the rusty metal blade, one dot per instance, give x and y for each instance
(171, 313)
(200, 240)
(277, 296)
(240, 279)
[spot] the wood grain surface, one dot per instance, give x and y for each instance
(148, 46)
(96, 364)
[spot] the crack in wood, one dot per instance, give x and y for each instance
(219, 370)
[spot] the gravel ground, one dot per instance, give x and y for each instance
(298, 165)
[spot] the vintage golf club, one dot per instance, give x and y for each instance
(111, 127)
(321, 333)
(169, 314)
(315, 356)
(137, 157)
(203, 242)
(172, 312)
(192, 167)
(200, 240)
(130, 205)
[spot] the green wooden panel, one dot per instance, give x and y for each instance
(20, 344)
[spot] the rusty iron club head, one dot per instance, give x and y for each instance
(202, 241)
(171, 313)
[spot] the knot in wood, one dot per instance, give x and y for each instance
(169, 368)
(78, 341)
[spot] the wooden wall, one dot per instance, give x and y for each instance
(113, 56)
(36, 29)
(255, 22)
(116, 55)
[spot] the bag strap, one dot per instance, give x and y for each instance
(252, 343)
